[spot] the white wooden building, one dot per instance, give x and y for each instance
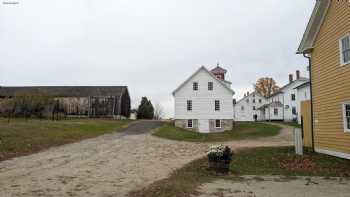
(246, 109)
(283, 105)
(204, 102)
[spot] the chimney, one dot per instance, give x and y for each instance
(290, 78)
(298, 74)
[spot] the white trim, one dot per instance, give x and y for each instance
(188, 124)
(346, 130)
(341, 50)
(333, 153)
(220, 124)
(314, 26)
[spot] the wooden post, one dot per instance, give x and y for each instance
(298, 141)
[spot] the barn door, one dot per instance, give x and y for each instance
(203, 126)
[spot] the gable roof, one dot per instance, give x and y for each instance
(287, 85)
(66, 91)
(251, 94)
(303, 85)
(211, 74)
(313, 27)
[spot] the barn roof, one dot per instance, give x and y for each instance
(66, 91)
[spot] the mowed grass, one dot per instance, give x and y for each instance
(184, 182)
(284, 161)
(23, 137)
(239, 132)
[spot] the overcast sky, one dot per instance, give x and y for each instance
(149, 45)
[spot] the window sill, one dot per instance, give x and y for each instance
(345, 64)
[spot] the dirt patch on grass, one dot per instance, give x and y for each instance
(297, 163)
(181, 183)
(312, 163)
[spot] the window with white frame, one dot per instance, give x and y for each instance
(190, 123)
(344, 45)
(294, 110)
(195, 86)
(217, 123)
(242, 108)
(254, 108)
(346, 114)
(210, 86)
(189, 105)
(217, 105)
(275, 111)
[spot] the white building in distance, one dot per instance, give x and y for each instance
(284, 105)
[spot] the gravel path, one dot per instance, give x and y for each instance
(109, 165)
(275, 186)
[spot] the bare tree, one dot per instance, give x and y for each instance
(158, 111)
(266, 86)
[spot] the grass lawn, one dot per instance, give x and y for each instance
(21, 137)
(283, 161)
(240, 132)
(259, 161)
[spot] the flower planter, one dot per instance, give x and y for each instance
(220, 165)
(219, 158)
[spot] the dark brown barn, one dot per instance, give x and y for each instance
(89, 101)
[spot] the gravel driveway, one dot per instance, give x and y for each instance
(109, 165)
(276, 186)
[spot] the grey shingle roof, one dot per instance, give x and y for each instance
(303, 85)
(66, 91)
(272, 104)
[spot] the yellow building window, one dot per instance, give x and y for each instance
(346, 114)
(344, 50)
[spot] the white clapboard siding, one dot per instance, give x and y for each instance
(203, 100)
(248, 112)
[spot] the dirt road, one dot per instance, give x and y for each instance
(109, 165)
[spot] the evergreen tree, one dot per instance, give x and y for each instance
(145, 110)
